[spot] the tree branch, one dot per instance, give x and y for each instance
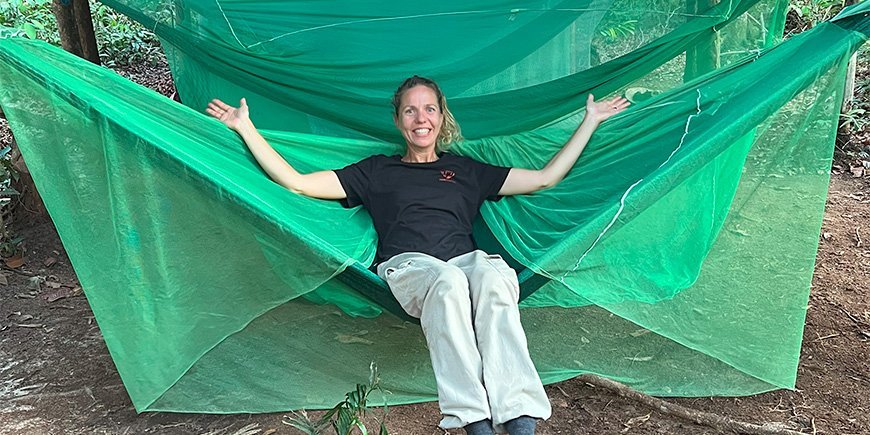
(699, 417)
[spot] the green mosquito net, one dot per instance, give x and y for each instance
(675, 257)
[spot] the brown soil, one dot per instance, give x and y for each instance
(56, 375)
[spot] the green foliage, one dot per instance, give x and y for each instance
(619, 30)
(8, 245)
(854, 119)
(8, 175)
(813, 12)
(30, 18)
(346, 416)
(121, 40)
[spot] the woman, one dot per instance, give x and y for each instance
(422, 204)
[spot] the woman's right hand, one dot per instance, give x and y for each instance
(232, 117)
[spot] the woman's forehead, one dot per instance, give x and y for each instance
(419, 95)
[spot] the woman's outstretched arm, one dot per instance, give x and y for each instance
(320, 184)
(520, 181)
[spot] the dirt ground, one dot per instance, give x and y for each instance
(56, 375)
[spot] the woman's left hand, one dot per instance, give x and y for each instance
(600, 110)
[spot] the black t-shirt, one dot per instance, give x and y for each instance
(422, 207)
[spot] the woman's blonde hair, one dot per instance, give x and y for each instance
(450, 131)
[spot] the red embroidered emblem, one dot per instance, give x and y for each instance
(447, 175)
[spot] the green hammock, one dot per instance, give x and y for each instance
(675, 257)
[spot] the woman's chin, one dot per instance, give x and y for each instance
(421, 146)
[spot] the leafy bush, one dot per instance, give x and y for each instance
(121, 41)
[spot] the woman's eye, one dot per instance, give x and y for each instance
(431, 110)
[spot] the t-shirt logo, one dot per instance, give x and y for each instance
(447, 175)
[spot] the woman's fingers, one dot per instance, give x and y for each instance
(220, 104)
(618, 103)
(212, 108)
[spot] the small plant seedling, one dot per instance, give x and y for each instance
(348, 415)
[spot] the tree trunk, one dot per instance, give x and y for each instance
(849, 92)
(66, 26)
(704, 56)
(85, 27)
(29, 201)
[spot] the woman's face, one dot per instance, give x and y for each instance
(419, 119)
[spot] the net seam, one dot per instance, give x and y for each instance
(627, 191)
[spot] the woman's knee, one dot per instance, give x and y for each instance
(450, 286)
(495, 283)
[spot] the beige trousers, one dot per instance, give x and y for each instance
(468, 310)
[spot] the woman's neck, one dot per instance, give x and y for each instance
(411, 156)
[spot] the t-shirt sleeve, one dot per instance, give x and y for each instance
(490, 179)
(356, 180)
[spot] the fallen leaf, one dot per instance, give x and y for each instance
(635, 421)
(857, 171)
(49, 261)
(739, 231)
(351, 339)
(827, 236)
(15, 261)
(52, 284)
(640, 332)
(3, 280)
(57, 294)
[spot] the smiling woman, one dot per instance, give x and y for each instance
(424, 116)
(422, 205)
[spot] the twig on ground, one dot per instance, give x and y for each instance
(852, 318)
(857, 237)
(20, 272)
(703, 418)
(827, 337)
(83, 390)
